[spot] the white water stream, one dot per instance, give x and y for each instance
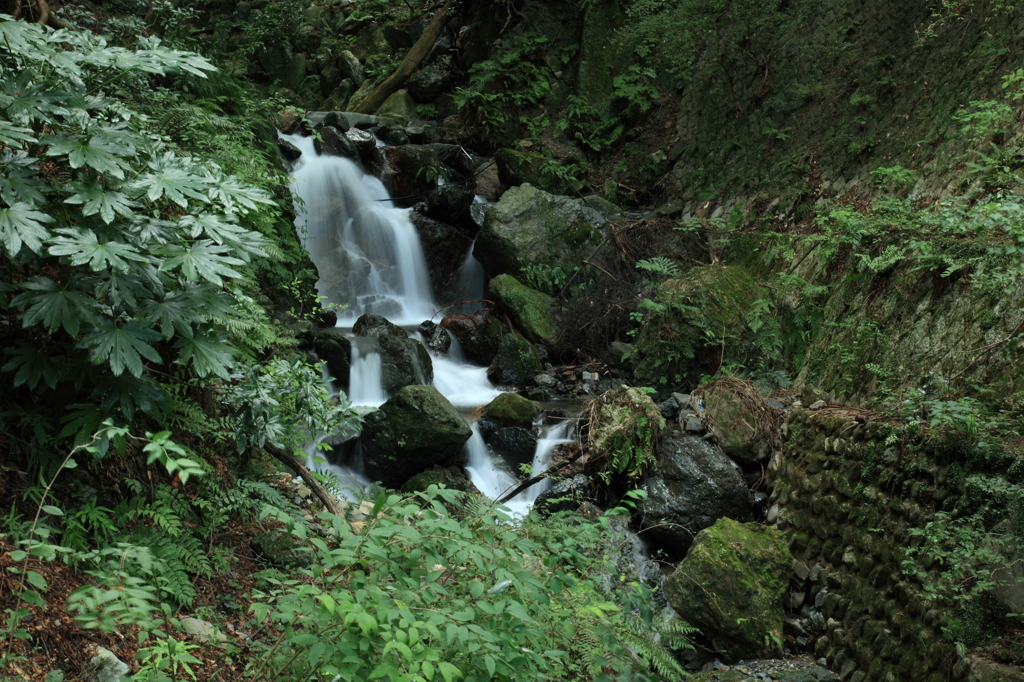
(370, 260)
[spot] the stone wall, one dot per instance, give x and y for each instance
(845, 501)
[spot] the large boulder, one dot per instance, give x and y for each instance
(405, 362)
(376, 326)
(428, 82)
(530, 310)
(531, 227)
(743, 422)
(411, 173)
(564, 495)
(450, 203)
(334, 143)
(400, 103)
(691, 485)
(709, 302)
(731, 586)
(349, 67)
(444, 249)
(515, 445)
(414, 430)
(335, 350)
(434, 336)
(517, 168)
(624, 427)
(515, 363)
(478, 335)
(506, 411)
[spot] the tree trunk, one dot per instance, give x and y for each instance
(330, 503)
(412, 61)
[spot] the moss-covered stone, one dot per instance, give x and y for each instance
(625, 427)
(515, 363)
(414, 430)
(529, 309)
(696, 315)
(505, 411)
(453, 478)
(731, 586)
(602, 59)
(529, 226)
(516, 168)
(400, 104)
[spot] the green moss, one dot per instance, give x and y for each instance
(529, 309)
(509, 409)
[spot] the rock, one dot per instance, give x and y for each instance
(359, 95)
(424, 133)
(429, 82)
(412, 172)
(376, 326)
(202, 630)
(288, 150)
(817, 405)
(563, 496)
(529, 309)
(398, 37)
(334, 143)
(364, 142)
(741, 420)
(625, 426)
(691, 485)
(731, 586)
(517, 168)
(545, 380)
(106, 667)
(712, 297)
(606, 208)
(396, 137)
(349, 67)
(453, 478)
(444, 249)
(479, 335)
(450, 203)
(505, 411)
(488, 183)
(531, 227)
(330, 79)
(288, 121)
(669, 408)
(335, 350)
(515, 363)
(436, 338)
(281, 549)
(621, 355)
(401, 104)
(414, 430)
(369, 42)
(405, 362)
(515, 445)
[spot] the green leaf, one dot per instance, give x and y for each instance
(122, 347)
(22, 224)
(56, 305)
(50, 509)
(201, 259)
(448, 671)
(14, 135)
(171, 178)
(32, 365)
(176, 312)
(98, 153)
(96, 199)
(83, 247)
(32, 597)
(18, 177)
(208, 356)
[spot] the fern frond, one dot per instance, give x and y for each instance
(660, 265)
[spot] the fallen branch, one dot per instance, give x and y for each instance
(330, 502)
(538, 478)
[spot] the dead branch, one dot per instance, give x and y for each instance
(329, 502)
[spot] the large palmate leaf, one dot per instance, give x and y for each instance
(208, 355)
(56, 305)
(175, 313)
(201, 259)
(32, 364)
(19, 178)
(128, 394)
(235, 196)
(95, 198)
(222, 230)
(171, 177)
(123, 347)
(98, 152)
(14, 135)
(22, 224)
(83, 247)
(28, 101)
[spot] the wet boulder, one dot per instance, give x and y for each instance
(414, 430)
(376, 326)
(515, 363)
(731, 586)
(515, 445)
(479, 335)
(400, 103)
(435, 336)
(453, 478)
(364, 142)
(335, 350)
(334, 143)
(565, 495)
(404, 361)
(531, 227)
(450, 203)
(744, 423)
(428, 82)
(530, 310)
(506, 411)
(444, 249)
(288, 150)
(411, 173)
(691, 485)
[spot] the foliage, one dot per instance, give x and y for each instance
(419, 594)
(621, 429)
(544, 277)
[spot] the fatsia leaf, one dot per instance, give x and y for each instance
(96, 199)
(13, 134)
(208, 356)
(32, 101)
(22, 224)
(32, 365)
(221, 230)
(126, 394)
(123, 347)
(174, 313)
(172, 177)
(56, 305)
(18, 180)
(201, 259)
(97, 153)
(83, 247)
(237, 196)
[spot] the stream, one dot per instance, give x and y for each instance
(370, 260)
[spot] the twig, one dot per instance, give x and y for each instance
(538, 478)
(329, 501)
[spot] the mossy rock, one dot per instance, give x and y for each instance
(529, 309)
(453, 478)
(602, 59)
(516, 168)
(358, 96)
(414, 430)
(515, 363)
(731, 586)
(697, 314)
(529, 226)
(506, 411)
(400, 104)
(625, 427)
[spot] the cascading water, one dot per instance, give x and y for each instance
(366, 251)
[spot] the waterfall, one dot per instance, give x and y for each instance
(366, 251)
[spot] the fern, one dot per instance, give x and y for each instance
(652, 643)
(660, 265)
